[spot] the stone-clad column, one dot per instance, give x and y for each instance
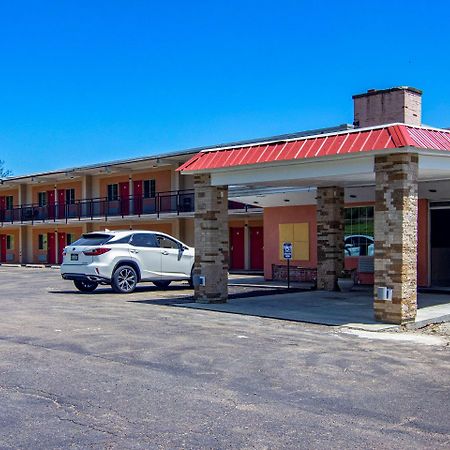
(396, 208)
(330, 236)
(211, 240)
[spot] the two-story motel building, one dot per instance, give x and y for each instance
(42, 213)
(374, 196)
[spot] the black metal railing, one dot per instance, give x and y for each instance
(173, 202)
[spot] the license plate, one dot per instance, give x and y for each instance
(74, 257)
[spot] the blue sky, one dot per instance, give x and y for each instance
(91, 81)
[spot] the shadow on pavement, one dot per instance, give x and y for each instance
(108, 290)
(236, 295)
(166, 301)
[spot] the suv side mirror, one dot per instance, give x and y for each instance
(181, 249)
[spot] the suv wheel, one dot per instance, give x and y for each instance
(124, 280)
(85, 285)
(163, 284)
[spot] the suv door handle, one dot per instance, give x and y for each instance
(165, 253)
(134, 251)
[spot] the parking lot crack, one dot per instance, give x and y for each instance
(36, 393)
(91, 427)
(71, 408)
(68, 407)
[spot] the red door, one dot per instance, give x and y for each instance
(51, 248)
(51, 204)
(124, 198)
(62, 242)
(137, 195)
(61, 203)
(2, 247)
(256, 248)
(237, 257)
(2, 208)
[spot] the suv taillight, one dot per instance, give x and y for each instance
(96, 251)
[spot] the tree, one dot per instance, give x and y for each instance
(3, 171)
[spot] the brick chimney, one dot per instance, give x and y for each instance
(401, 104)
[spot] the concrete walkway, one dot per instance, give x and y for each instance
(259, 282)
(353, 309)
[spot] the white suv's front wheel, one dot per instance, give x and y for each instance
(124, 280)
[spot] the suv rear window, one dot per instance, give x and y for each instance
(92, 239)
(124, 240)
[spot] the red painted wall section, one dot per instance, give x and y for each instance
(423, 244)
(237, 252)
(287, 214)
(51, 248)
(256, 248)
(351, 262)
(2, 247)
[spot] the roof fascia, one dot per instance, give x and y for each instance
(301, 161)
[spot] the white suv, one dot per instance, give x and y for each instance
(124, 258)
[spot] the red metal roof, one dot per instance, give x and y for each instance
(353, 141)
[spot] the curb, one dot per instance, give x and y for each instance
(425, 322)
(31, 266)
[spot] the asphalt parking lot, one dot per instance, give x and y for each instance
(108, 371)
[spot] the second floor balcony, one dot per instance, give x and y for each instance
(162, 204)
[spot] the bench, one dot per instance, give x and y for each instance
(300, 274)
